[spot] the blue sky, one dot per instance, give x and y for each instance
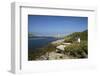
(52, 25)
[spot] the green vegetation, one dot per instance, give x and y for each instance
(78, 50)
(73, 37)
(37, 53)
(69, 40)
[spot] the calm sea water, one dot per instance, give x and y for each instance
(34, 43)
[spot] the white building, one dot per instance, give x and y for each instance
(78, 40)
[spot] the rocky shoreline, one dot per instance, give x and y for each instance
(57, 53)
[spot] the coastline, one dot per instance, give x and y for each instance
(58, 41)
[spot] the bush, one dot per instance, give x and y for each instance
(37, 53)
(68, 39)
(84, 46)
(78, 50)
(50, 48)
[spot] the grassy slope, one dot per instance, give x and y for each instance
(73, 37)
(79, 50)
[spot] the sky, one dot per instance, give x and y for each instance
(52, 25)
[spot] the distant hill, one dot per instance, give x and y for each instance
(30, 34)
(83, 35)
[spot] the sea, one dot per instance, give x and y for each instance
(39, 42)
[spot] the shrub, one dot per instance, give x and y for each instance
(37, 53)
(68, 39)
(78, 50)
(84, 46)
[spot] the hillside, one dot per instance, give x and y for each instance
(73, 37)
